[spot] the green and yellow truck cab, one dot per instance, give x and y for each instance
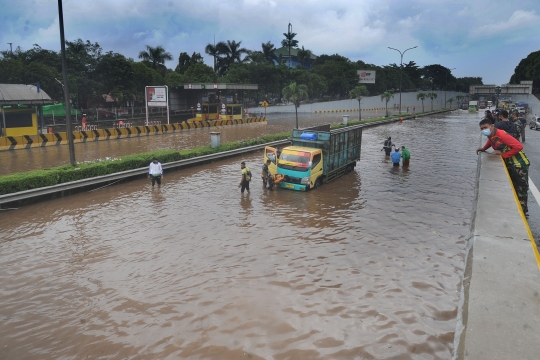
(318, 155)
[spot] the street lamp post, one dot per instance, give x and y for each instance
(446, 85)
(66, 87)
(498, 89)
(290, 31)
(400, 67)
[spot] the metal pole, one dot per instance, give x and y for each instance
(290, 30)
(4, 130)
(66, 86)
(400, 67)
(446, 85)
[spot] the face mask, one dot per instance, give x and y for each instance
(486, 132)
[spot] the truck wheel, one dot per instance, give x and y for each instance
(318, 183)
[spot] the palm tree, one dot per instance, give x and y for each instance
(156, 55)
(421, 96)
(432, 95)
(229, 53)
(269, 52)
(295, 93)
(303, 55)
(387, 95)
(213, 50)
(451, 100)
(358, 93)
(458, 99)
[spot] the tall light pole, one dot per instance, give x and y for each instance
(10, 48)
(66, 87)
(289, 30)
(446, 86)
(400, 66)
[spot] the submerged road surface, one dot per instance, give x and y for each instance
(366, 267)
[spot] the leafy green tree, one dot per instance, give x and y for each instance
(155, 55)
(463, 84)
(451, 100)
(528, 69)
(386, 96)
(304, 55)
(315, 83)
(144, 76)
(295, 93)
(115, 74)
(438, 76)
(185, 61)
(255, 57)
(174, 79)
(200, 73)
(432, 96)
(358, 93)
(340, 75)
(269, 52)
(421, 96)
(214, 50)
(230, 53)
(459, 99)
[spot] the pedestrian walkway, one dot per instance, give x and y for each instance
(500, 312)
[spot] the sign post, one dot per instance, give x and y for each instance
(264, 105)
(157, 96)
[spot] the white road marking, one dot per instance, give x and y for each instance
(534, 191)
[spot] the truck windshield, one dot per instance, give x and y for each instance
(294, 161)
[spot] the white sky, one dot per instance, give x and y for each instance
(485, 38)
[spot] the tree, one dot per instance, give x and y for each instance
(200, 73)
(421, 96)
(340, 75)
(358, 93)
(528, 69)
(269, 52)
(431, 95)
(303, 55)
(386, 96)
(451, 100)
(295, 94)
(212, 50)
(155, 55)
(229, 53)
(458, 99)
(185, 61)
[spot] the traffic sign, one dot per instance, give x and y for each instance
(198, 104)
(223, 106)
(189, 86)
(215, 86)
(264, 104)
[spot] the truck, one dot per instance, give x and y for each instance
(482, 104)
(316, 156)
(473, 105)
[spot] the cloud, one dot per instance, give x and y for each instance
(520, 19)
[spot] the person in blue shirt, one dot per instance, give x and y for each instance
(395, 156)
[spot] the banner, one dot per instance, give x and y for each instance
(156, 96)
(366, 76)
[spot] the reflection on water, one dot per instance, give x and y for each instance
(366, 267)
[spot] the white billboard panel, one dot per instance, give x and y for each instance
(366, 76)
(156, 96)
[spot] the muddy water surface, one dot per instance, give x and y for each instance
(366, 267)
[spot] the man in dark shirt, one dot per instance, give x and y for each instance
(505, 124)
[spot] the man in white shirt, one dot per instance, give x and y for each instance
(155, 172)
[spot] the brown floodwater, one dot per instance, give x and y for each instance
(46, 157)
(366, 267)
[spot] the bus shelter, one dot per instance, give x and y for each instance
(21, 106)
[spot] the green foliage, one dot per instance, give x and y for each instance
(200, 73)
(62, 174)
(528, 69)
(359, 92)
(155, 55)
(422, 96)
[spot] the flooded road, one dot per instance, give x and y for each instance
(46, 157)
(366, 267)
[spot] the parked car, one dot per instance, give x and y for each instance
(535, 123)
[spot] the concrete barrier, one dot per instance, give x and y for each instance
(499, 311)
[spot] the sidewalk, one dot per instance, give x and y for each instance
(500, 312)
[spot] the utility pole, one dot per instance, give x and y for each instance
(400, 67)
(290, 31)
(66, 87)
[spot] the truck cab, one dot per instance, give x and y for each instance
(301, 167)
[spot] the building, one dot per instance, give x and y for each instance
(294, 60)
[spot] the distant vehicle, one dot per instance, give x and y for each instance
(473, 106)
(535, 123)
(482, 104)
(104, 113)
(521, 110)
(490, 103)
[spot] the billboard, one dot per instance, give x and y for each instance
(156, 96)
(366, 76)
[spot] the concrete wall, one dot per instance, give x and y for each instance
(407, 99)
(532, 100)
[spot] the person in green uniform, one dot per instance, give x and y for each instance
(406, 155)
